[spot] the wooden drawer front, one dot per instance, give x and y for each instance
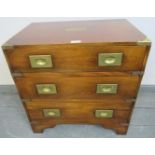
(77, 104)
(77, 57)
(74, 115)
(77, 110)
(76, 87)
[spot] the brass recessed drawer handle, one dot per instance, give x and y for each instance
(104, 113)
(110, 59)
(51, 113)
(107, 88)
(41, 61)
(46, 89)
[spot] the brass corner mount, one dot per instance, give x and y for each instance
(6, 47)
(144, 42)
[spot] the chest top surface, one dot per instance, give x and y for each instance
(96, 31)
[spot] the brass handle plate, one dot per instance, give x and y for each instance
(46, 89)
(107, 88)
(110, 59)
(51, 113)
(104, 113)
(41, 61)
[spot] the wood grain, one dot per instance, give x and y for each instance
(77, 104)
(76, 57)
(73, 114)
(73, 87)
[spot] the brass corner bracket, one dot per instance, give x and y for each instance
(6, 47)
(145, 42)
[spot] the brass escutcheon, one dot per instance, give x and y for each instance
(41, 61)
(104, 113)
(110, 59)
(51, 112)
(46, 89)
(107, 88)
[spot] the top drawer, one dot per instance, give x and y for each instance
(76, 57)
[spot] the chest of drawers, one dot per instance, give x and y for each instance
(81, 72)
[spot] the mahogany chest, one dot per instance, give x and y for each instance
(81, 72)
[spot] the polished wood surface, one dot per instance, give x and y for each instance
(76, 104)
(80, 114)
(73, 87)
(70, 115)
(75, 31)
(77, 57)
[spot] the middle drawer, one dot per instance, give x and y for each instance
(77, 86)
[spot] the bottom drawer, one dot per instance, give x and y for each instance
(109, 114)
(84, 111)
